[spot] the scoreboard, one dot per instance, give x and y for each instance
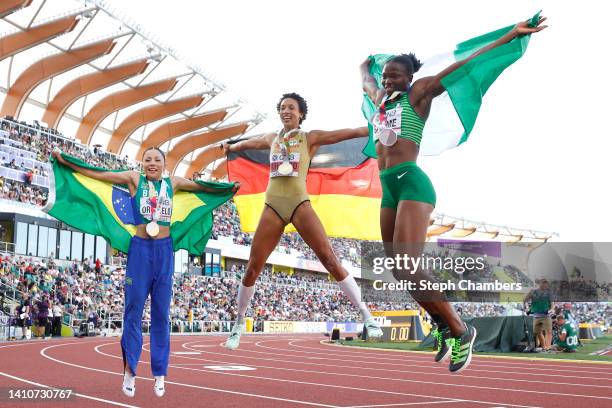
(400, 325)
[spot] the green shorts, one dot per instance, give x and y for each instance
(406, 181)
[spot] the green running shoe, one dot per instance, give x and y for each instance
(461, 354)
(442, 343)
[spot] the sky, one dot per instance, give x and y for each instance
(538, 157)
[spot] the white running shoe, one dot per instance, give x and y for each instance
(372, 328)
(158, 387)
(233, 341)
(129, 385)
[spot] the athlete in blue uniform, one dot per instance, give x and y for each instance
(150, 264)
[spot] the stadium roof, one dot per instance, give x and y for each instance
(448, 227)
(84, 69)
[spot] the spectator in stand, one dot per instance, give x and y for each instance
(92, 317)
(24, 315)
(43, 316)
(57, 311)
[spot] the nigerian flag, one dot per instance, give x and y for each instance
(104, 209)
(453, 114)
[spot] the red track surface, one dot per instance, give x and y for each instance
(294, 370)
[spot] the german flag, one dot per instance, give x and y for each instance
(342, 182)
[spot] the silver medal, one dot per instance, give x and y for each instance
(285, 168)
(387, 137)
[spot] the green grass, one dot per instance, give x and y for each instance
(583, 352)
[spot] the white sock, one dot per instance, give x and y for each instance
(128, 379)
(353, 292)
(245, 294)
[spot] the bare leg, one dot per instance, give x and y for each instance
(541, 340)
(267, 235)
(387, 229)
(409, 237)
(311, 230)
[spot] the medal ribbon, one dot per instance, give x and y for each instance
(156, 209)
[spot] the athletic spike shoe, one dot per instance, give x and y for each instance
(233, 341)
(461, 354)
(372, 328)
(442, 343)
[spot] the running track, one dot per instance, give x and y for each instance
(294, 371)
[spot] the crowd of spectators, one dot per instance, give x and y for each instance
(277, 297)
(87, 288)
(227, 224)
(76, 289)
(41, 142)
(22, 192)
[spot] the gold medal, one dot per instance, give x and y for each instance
(152, 229)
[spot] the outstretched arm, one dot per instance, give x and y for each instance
(322, 137)
(430, 87)
(129, 177)
(181, 183)
(256, 143)
(370, 87)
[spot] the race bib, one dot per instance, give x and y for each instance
(165, 208)
(392, 120)
(276, 159)
(153, 206)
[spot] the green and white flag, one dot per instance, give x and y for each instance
(453, 114)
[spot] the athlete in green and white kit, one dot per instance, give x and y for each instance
(408, 196)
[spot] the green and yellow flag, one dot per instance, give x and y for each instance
(104, 209)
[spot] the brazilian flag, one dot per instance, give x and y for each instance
(104, 209)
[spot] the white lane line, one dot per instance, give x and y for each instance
(417, 356)
(75, 393)
(361, 367)
(406, 380)
(330, 385)
(379, 369)
(404, 404)
(44, 354)
(389, 361)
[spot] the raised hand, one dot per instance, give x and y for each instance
(523, 27)
(57, 154)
